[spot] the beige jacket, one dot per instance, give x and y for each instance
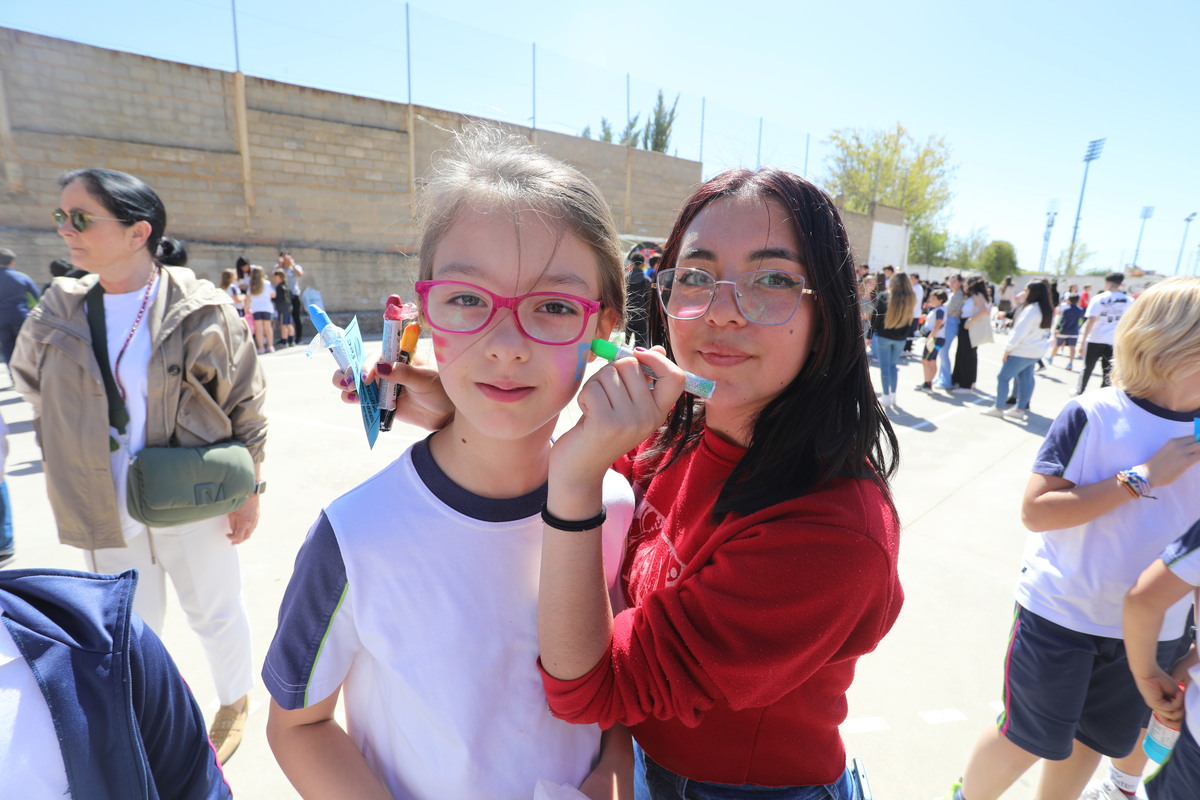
(205, 385)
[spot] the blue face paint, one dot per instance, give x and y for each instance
(582, 349)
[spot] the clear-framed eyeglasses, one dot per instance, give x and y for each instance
(544, 317)
(763, 296)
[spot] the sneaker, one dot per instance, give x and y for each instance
(924, 387)
(1103, 790)
(227, 727)
(1019, 413)
(992, 411)
(1011, 401)
(953, 794)
(1070, 367)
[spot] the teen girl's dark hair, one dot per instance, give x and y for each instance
(1037, 294)
(825, 424)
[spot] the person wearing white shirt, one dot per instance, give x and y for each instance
(1102, 315)
(1028, 340)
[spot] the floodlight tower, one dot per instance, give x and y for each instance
(1093, 152)
(1051, 213)
(1186, 222)
(1147, 213)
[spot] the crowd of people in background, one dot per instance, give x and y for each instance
(952, 318)
(271, 305)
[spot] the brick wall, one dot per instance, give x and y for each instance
(329, 173)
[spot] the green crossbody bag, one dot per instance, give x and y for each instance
(172, 485)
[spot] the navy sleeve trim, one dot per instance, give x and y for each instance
(1061, 440)
(1183, 546)
(311, 601)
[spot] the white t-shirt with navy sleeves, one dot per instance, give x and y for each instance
(427, 618)
(1183, 559)
(1077, 577)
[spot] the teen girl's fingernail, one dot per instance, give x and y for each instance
(383, 368)
(345, 383)
(352, 397)
(640, 349)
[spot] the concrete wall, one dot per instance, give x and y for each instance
(247, 166)
(879, 237)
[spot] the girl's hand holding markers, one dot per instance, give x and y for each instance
(422, 403)
(620, 410)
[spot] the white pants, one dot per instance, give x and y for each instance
(205, 570)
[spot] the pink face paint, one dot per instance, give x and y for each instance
(439, 344)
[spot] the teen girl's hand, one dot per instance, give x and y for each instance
(422, 403)
(1173, 459)
(620, 410)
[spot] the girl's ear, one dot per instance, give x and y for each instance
(607, 321)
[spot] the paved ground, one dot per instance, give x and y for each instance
(917, 703)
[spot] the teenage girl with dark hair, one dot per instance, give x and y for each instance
(1026, 344)
(762, 557)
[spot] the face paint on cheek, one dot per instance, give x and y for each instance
(582, 350)
(439, 345)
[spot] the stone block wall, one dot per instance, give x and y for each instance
(327, 176)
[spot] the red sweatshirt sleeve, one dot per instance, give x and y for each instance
(769, 607)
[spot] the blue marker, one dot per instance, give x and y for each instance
(346, 348)
(1196, 423)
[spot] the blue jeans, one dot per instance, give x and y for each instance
(662, 784)
(6, 533)
(1021, 369)
(888, 351)
(943, 379)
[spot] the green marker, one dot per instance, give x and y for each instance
(694, 384)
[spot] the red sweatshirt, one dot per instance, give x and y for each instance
(732, 663)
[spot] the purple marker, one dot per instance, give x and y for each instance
(693, 384)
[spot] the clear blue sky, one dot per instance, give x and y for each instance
(1017, 89)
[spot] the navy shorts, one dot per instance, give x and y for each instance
(263, 316)
(931, 353)
(285, 317)
(1061, 685)
(1065, 341)
(1178, 778)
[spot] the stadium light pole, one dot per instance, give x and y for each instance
(1051, 213)
(1187, 221)
(1147, 213)
(1093, 152)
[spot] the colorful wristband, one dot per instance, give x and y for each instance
(1135, 483)
(573, 527)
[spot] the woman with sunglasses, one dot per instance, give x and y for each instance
(186, 374)
(761, 561)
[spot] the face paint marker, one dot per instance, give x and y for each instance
(693, 384)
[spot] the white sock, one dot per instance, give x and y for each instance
(1123, 780)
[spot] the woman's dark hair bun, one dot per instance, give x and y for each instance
(171, 252)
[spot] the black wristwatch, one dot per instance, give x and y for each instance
(260, 487)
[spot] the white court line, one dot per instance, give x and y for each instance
(312, 423)
(978, 401)
(865, 725)
(943, 715)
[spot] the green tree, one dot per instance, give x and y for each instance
(629, 136)
(892, 168)
(964, 251)
(927, 245)
(1080, 256)
(654, 135)
(657, 134)
(998, 260)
